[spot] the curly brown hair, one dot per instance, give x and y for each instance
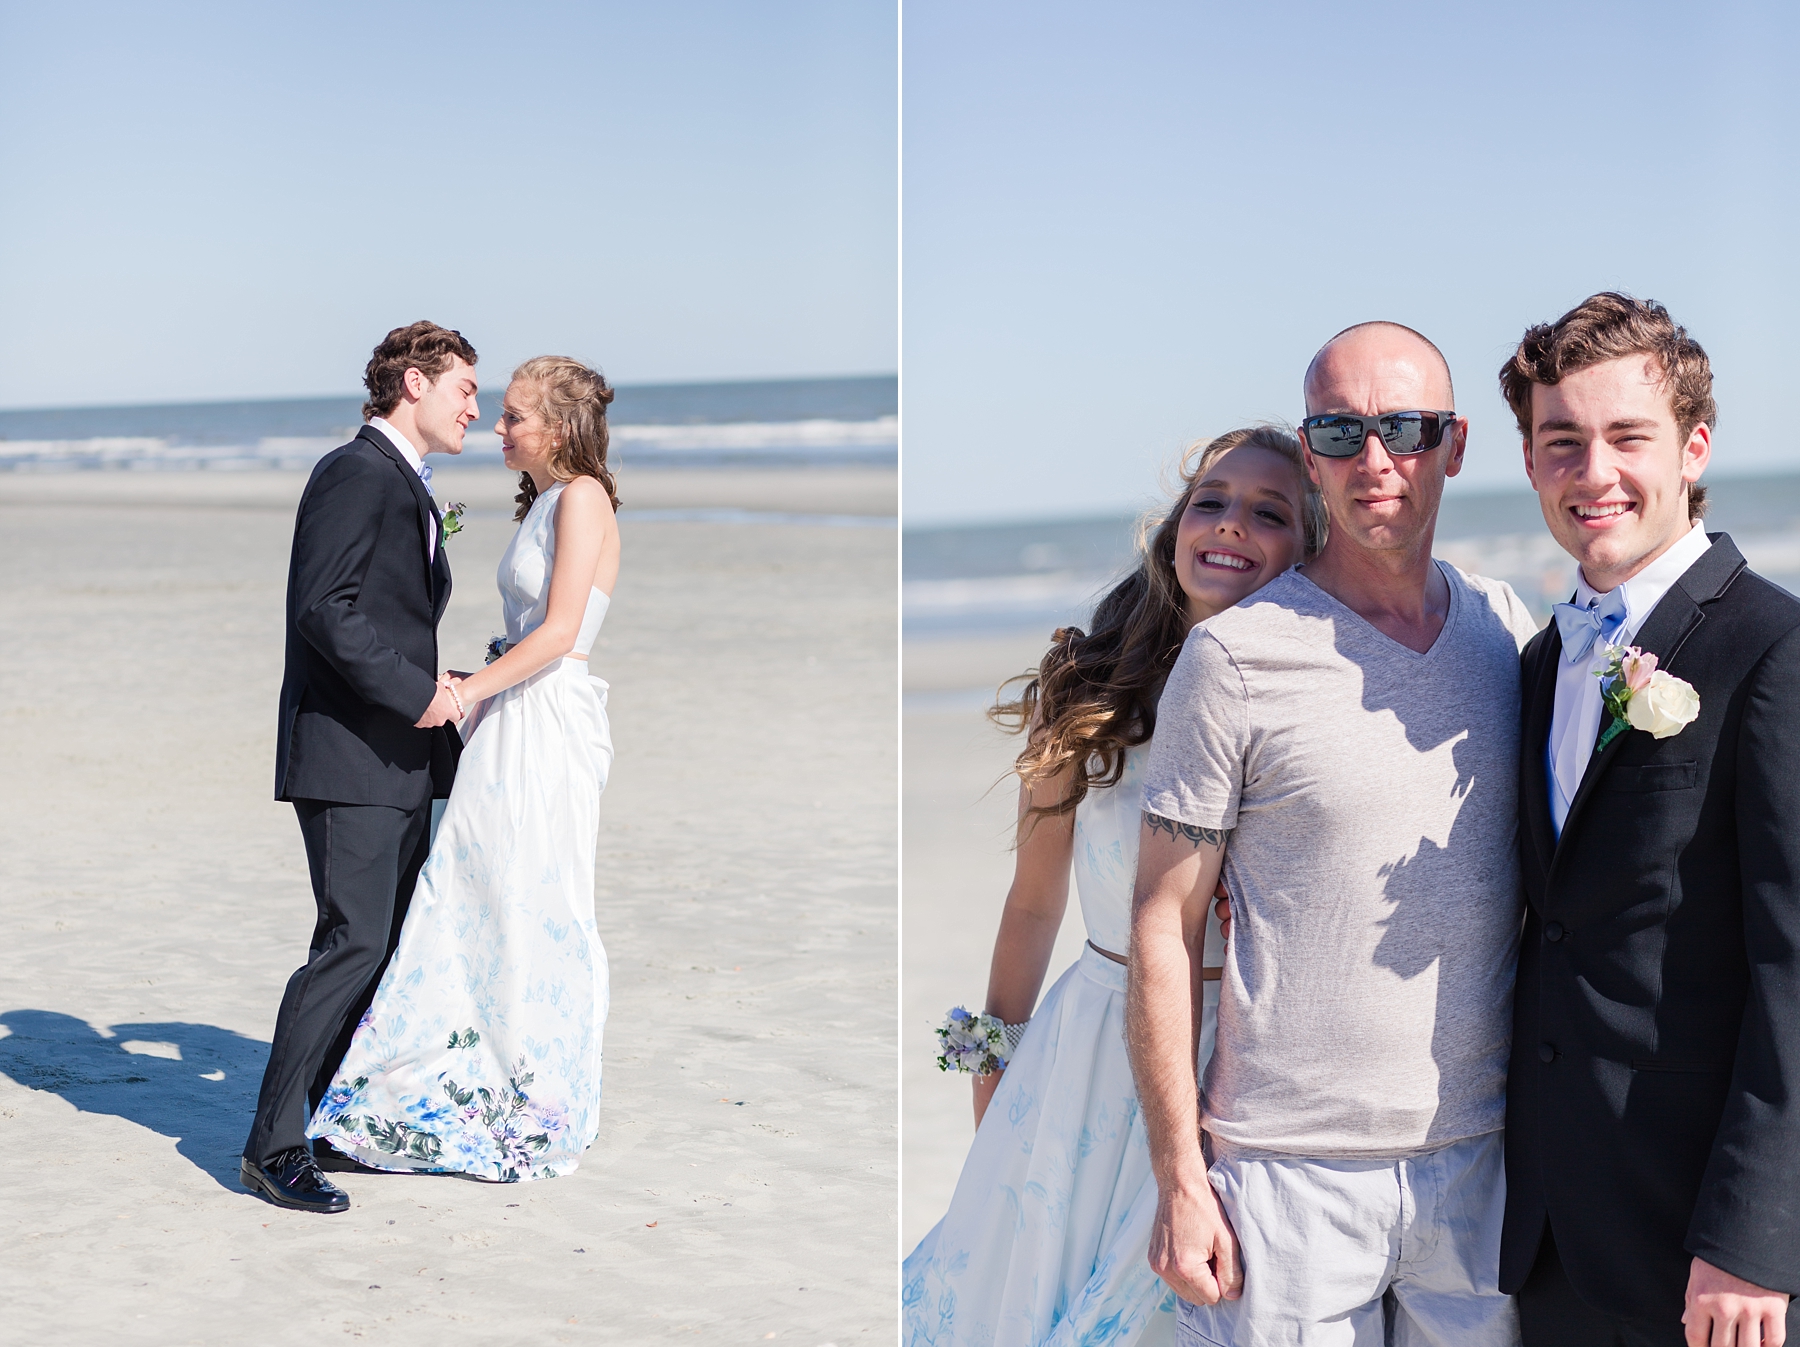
(1609, 326)
(1094, 694)
(423, 346)
(572, 399)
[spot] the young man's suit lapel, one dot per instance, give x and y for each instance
(440, 579)
(1671, 622)
(1540, 705)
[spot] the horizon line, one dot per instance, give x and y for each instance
(6, 408)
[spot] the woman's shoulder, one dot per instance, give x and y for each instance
(585, 494)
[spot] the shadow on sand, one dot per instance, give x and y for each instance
(193, 1083)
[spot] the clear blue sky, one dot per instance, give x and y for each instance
(1130, 226)
(225, 200)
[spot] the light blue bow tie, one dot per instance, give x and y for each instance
(425, 475)
(1581, 627)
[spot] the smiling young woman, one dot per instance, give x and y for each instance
(1059, 1176)
(552, 427)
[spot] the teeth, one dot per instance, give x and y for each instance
(1226, 559)
(1601, 511)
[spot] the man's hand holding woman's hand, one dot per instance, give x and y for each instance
(445, 707)
(451, 681)
(1192, 1246)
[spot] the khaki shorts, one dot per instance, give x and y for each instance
(1324, 1242)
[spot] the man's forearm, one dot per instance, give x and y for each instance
(375, 671)
(1192, 1246)
(1159, 1027)
(1178, 867)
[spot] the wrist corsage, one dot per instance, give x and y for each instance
(1643, 697)
(978, 1044)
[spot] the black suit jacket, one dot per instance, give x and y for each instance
(362, 612)
(1653, 1103)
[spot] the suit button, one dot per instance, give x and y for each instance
(1553, 931)
(1546, 1053)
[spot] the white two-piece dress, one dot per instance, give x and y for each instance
(481, 1051)
(1047, 1239)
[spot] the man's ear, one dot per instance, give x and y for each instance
(415, 383)
(1696, 453)
(1459, 445)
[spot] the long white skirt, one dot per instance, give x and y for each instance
(1047, 1239)
(481, 1051)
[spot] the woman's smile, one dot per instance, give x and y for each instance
(1220, 559)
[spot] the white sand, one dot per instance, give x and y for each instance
(957, 865)
(153, 900)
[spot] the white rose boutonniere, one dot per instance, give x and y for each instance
(1644, 697)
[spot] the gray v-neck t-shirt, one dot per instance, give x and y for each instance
(1366, 1001)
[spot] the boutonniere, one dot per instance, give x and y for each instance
(452, 521)
(1643, 697)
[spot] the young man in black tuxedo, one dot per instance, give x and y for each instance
(367, 735)
(1653, 1130)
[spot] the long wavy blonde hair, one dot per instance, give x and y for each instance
(1094, 694)
(572, 399)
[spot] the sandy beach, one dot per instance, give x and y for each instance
(154, 899)
(957, 862)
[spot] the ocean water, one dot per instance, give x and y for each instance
(768, 422)
(967, 580)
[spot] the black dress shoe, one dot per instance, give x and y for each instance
(292, 1179)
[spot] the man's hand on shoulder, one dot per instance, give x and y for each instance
(1192, 1246)
(1722, 1308)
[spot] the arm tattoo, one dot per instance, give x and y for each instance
(1175, 828)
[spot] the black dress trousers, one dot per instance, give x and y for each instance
(365, 860)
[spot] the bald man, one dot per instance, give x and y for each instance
(1342, 748)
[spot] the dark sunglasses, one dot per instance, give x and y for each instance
(1340, 435)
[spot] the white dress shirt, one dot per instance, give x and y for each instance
(417, 464)
(1575, 723)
